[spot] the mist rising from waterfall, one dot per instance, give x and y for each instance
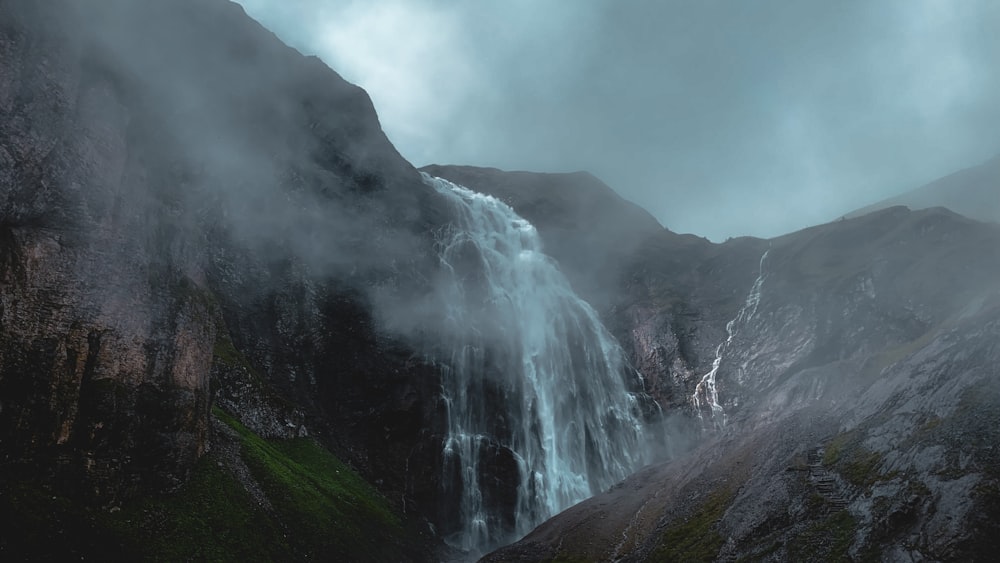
(541, 401)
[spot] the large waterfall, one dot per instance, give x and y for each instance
(543, 410)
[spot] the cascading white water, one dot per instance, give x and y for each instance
(534, 378)
(706, 393)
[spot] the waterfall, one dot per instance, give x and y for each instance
(705, 393)
(542, 407)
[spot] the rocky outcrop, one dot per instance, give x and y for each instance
(971, 192)
(858, 384)
(191, 211)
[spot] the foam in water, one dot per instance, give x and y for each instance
(535, 383)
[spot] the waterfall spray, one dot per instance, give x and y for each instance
(535, 385)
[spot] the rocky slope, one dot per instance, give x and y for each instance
(973, 192)
(192, 212)
(858, 384)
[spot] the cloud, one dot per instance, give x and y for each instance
(409, 58)
(721, 118)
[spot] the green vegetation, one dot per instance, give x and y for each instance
(320, 509)
(833, 450)
(827, 540)
(771, 549)
(847, 456)
(319, 499)
(227, 354)
(862, 468)
(695, 538)
(210, 518)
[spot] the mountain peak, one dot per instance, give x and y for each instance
(973, 192)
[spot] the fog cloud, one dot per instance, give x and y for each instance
(721, 118)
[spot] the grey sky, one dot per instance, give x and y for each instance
(722, 118)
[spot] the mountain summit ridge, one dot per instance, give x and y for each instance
(215, 270)
(973, 192)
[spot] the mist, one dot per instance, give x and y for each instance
(195, 216)
(226, 151)
(720, 118)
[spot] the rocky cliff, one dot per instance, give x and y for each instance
(856, 408)
(973, 192)
(192, 212)
(209, 256)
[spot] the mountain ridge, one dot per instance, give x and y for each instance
(203, 261)
(973, 192)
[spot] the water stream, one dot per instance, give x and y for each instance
(543, 409)
(706, 393)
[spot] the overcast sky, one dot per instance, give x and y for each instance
(722, 118)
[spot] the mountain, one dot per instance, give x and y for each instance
(586, 226)
(973, 192)
(666, 297)
(853, 369)
(235, 324)
(192, 215)
(857, 394)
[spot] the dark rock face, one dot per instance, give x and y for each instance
(859, 386)
(971, 192)
(176, 186)
(106, 340)
(192, 213)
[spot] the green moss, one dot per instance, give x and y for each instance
(210, 519)
(696, 537)
(319, 499)
(226, 353)
(815, 501)
(862, 469)
(321, 510)
(847, 456)
(827, 540)
(763, 554)
(833, 450)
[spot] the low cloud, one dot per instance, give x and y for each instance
(721, 118)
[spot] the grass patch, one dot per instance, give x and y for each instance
(320, 500)
(210, 519)
(833, 450)
(226, 353)
(696, 537)
(827, 540)
(771, 549)
(859, 466)
(862, 468)
(321, 510)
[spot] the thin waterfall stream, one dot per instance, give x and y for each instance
(543, 410)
